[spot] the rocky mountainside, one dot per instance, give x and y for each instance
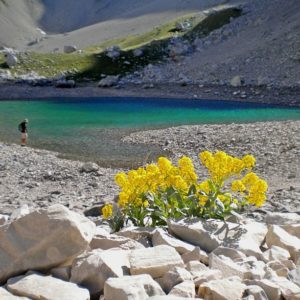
(262, 47)
(234, 42)
(43, 25)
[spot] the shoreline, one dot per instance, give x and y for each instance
(39, 177)
(281, 96)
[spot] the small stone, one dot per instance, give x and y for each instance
(184, 289)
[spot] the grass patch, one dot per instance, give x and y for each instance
(93, 62)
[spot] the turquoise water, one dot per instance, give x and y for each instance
(88, 127)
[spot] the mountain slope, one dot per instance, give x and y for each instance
(84, 22)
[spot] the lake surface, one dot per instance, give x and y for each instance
(92, 128)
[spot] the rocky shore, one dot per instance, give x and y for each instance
(277, 95)
(38, 178)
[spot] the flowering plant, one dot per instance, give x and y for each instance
(151, 195)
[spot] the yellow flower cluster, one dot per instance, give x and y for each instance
(107, 211)
(256, 188)
(154, 177)
(221, 166)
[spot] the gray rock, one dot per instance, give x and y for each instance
(109, 81)
(294, 276)
(89, 167)
(113, 52)
(63, 83)
(236, 81)
(70, 48)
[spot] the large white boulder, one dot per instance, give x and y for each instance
(210, 234)
(6, 295)
(92, 269)
(43, 239)
(38, 287)
(277, 236)
(154, 261)
(139, 287)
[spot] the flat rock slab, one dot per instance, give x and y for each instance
(43, 239)
(6, 295)
(139, 287)
(210, 234)
(39, 287)
(154, 261)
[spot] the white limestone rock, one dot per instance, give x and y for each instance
(138, 287)
(278, 267)
(276, 253)
(293, 229)
(228, 267)
(6, 295)
(206, 276)
(43, 239)
(196, 254)
(92, 269)
(174, 277)
(36, 286)
(160, 237)
(20, 212)
(294, 276)
(103, 240)
(236, 81)
(210, 234)
(289, 290)
(233, 254)
(224, 289)
(277, 218)
(155, 261)
(196, 267)
(271, 289)
(277, 236)
(184, 289)
(168, 297)
(256, 291)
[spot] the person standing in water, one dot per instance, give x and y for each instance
(24, 133)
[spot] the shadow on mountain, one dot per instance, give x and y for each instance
(155, 51)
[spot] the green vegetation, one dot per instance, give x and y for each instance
(93, 62)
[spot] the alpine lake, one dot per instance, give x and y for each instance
(93, 128)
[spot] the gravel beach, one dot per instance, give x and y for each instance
(39, 178)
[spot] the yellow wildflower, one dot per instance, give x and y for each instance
(237, 186)
(248, 161)
(107, 211)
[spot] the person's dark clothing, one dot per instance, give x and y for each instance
(23, 127)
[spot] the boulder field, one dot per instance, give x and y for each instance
(55, 253)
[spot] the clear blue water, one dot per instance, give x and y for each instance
(93, 127)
